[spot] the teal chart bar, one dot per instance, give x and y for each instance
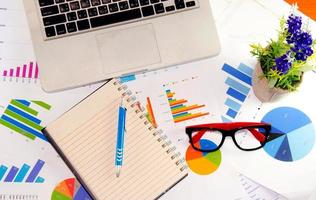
(3, 170)
(22, 173)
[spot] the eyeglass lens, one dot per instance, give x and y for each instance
(250, 138)
(200, 136)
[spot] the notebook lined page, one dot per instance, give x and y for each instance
(87, 136)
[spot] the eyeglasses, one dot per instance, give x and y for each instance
(247, 136)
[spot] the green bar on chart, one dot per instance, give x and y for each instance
(23, 107)
(43, 104)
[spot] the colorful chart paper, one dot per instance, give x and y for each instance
(203, 163)
(70, 189)
(292, 135)
(179, 109)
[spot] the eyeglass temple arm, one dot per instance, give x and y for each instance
(259, 136)
(198, 136)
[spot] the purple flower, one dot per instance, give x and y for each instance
(302, 45)
(303, 39)
(282, 64)
(300, 56)
(292, 38)
(294, 23)
(308, 51)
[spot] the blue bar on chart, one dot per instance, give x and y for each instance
(239, 82)
(3, 170)
(26, 128)
(232, 104)
(24, 102)
(245, 69)
(237, 74)
(22, 173)
(231, 113)
(237, 95)
(128, 78)
(237, 86)
(13, 171)
(35, 171)
(39, 180)
(23, 114)
(224, 119)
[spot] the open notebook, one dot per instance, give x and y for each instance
(85, 137)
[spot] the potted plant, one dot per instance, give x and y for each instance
(282, 63)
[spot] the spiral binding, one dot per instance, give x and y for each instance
(18, 197)
(166, 143)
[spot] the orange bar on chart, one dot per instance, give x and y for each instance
(176, 111)
(170, 95)
(151, 113)
(173, 103)
(308, 7)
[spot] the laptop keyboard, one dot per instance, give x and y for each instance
(67, 17)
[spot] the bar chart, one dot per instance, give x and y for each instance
(25, 71)
(239, 85)
(21, 116)
(179, 109)
(24, 174)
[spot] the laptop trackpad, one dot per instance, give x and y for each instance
(128, 49)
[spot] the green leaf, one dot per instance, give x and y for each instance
(272, 82)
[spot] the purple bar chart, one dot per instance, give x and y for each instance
(24, 174)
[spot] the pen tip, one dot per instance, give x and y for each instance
(117, 172)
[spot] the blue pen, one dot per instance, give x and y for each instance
(120, 139)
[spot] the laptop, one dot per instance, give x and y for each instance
(78, 42)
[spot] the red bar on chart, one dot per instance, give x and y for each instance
(36, 71)
(24, 71)
(30, 69)
(11, 73)
(5, 73)
(17, 73)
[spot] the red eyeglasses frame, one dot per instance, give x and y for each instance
(229, 129)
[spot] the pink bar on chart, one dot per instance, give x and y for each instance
(5, 73)
(17, 73)
(11, 73)
(36, 71)
(24, 71)
(30, 69)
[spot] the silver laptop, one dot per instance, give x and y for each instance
(78, 42)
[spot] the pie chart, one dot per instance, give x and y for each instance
(70, 189)
(292, 135)
(203, 163)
